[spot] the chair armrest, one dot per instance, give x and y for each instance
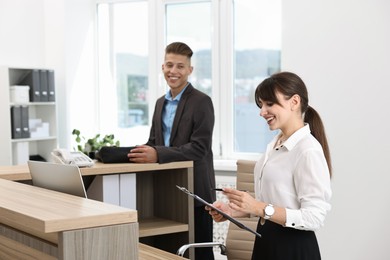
(184, 248)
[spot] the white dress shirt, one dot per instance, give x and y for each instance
(295, 176)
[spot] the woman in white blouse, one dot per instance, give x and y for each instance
(292, 178)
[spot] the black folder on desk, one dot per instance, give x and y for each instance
(113, 154)
(233, 220)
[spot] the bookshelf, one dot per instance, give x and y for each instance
(40, 141)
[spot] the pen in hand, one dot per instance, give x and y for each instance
(217, 189)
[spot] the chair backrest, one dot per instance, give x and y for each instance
(239, 242)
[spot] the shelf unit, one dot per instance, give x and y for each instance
(12, 148)
(163, 210)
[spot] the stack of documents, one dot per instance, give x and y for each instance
(38, 128)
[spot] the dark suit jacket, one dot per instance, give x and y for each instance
(191, 138)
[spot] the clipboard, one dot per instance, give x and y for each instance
(233, 220)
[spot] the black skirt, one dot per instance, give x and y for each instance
(283, 243)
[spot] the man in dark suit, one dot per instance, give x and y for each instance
(182, 130)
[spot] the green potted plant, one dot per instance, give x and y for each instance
(92, 145)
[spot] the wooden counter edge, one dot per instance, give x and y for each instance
(15, 173)
(146, 252)
(43, 214)
(22, 173)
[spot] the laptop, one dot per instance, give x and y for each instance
(64, 178)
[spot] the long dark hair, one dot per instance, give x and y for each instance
(290, 84)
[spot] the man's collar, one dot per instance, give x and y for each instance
(168, 95)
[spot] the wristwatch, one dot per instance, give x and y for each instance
(268, 211)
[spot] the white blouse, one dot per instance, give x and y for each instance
(295, 176)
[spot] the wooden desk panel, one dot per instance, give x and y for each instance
(41, 224)
(49, 211)
(7, 251)
(15, 173)
(108, 242)
(164, 213)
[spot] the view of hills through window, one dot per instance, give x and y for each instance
(252, 66)
(248, 34)
(132, 84)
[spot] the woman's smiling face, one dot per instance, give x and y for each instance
(276, 115)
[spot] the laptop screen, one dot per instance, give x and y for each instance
(64, 178)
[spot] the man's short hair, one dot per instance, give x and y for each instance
(179, 48)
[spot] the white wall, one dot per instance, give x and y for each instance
(340, 48)
(22, 33)
(55, 34)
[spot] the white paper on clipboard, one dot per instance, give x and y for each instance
(233, 220)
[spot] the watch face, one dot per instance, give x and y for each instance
(269, 210)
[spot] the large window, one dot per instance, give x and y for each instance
(257, 43)
(236, 45)
(123, 70)
(183, 24)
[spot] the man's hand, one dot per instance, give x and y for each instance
(143, 154)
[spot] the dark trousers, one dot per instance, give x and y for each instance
(283, 243)
(203, 233)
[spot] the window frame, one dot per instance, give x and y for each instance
(222, 68)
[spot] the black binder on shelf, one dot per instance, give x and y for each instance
(44, 86)
(32, 79)
(50, 83)
(24, 122)
(16, 122)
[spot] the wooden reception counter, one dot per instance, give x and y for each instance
(164, 213)
(43, 224)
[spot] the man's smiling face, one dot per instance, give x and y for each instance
(176, 69)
